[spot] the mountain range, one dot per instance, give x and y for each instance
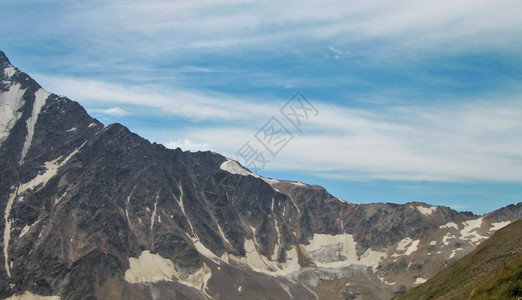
(94, 211)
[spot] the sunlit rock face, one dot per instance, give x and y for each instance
(94, 211)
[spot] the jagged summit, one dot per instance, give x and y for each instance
(3, 58)
(94, 211)
(7, 70)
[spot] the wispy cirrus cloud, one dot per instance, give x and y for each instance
(461, 142)
(112, 111)
(193, 104)
(159, 30)
(412, 25)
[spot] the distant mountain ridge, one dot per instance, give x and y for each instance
(97, 212)
(492, 271)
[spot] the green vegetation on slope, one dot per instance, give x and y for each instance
(492, 271)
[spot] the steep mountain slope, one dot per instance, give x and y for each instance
(492, 271)
(93, 211)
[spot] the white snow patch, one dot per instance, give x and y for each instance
(412, 248)
(10, 102)
(372, 258)
(426, 210)
(127, 204)
(71, 130)
(149, 268)
(295, 204)
(256, 260)
(499, 225)
(267, 180)
(182, 207)
(278, 243)
(233, 167)
(419, 280)
(389, 283)
(403, 244)
(448, 225)
(39, 100)
(153, 217)
(91, 125)
(470, 228)
(222, 234)
(334, 251)
(26, 229)
(204, 250)
(407, 246)
(26, 295)
(447, 237)
(433, 243)
(454, 252)
(9, 72)
(153, 268)
(239, 288)
(52, 168)
(259, 263)
(329, 250)
(7, 231)
(57, 200)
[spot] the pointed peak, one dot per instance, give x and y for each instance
(6, 68)
(3, 58)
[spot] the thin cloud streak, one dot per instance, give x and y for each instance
(195, 105)
(444, 144)
(413, 25)
(112, 111)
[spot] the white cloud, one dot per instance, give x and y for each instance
(228, 24)
(187, 103)
(113, 111)
(187, 144)
(460, 142)
(338, 53)
(335, 50)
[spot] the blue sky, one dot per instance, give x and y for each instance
(417, 100)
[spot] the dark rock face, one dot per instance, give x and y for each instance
(93, 211)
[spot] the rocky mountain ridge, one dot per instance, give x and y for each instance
(491, 271)
(97, 212)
